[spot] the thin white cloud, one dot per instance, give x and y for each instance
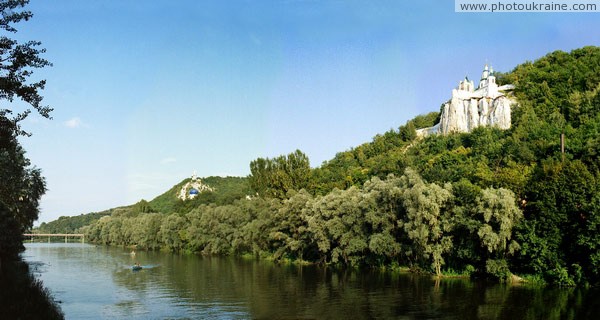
(168, 160)
(74, 122)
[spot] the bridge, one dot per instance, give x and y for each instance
(51, 235)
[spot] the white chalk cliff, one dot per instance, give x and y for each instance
(488, 105)
(193, 188)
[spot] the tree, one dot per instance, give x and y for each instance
(172, 232)
(21, 186)
(427, 220)
(16, 63)
(290, 227)
(500, 215)
(276, 177)
(143, 207)
(337, 222)
(383, 200)
(408, 131)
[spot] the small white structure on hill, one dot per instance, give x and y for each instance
(469, 108)
(193, 188)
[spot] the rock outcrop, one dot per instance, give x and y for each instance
(193, 188)
(464, 115)
(489, 105)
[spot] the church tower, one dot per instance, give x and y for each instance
(484, 77)
(492, 76)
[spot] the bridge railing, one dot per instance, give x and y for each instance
(50, 235)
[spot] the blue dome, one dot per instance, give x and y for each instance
(194, 191)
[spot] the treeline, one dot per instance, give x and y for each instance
(396, 221)
(385, 155)
(227, 190)
(324, 215)
(72, 224)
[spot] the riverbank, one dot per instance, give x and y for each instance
(23, 296)
(207, 287)
(469, 273)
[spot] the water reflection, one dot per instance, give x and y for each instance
(181, 286)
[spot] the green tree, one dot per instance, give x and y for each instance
(276, 177)
(173, 232)
(427, 223)
(17, 61)
(337, 222)
(500, 215)
(408, 131)
(290, 227)
(383, 201)
(20, 191)
(21, 186)
(142, 207)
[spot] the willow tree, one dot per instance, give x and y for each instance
(500, 214)
(290, 233)
(337, 223)
(383, 201)
(428, 221)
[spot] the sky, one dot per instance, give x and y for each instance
(147, 92)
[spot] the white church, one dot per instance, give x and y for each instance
(488, 88)
(470, 107)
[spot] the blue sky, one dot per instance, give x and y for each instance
(146, 92)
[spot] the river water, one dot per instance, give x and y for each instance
(96, 282)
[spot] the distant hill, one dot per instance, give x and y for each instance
(72, 224)
(226, 191)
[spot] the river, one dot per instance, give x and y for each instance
(96, 282)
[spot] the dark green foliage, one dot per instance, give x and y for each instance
(226, 191)
(21, 186)
(278, 176)
(399, 220)
(17, 61)
(381, 157)
(425, 121)
(71, 224)
(20, 192)
(142, 207)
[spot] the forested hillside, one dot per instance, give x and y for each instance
(72, 224)
(490, 202)
(226, 191)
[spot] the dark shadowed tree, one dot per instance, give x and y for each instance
(20, 186)
(17, 61)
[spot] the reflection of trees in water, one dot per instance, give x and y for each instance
(267, 290)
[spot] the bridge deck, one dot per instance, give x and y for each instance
(50, 235)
